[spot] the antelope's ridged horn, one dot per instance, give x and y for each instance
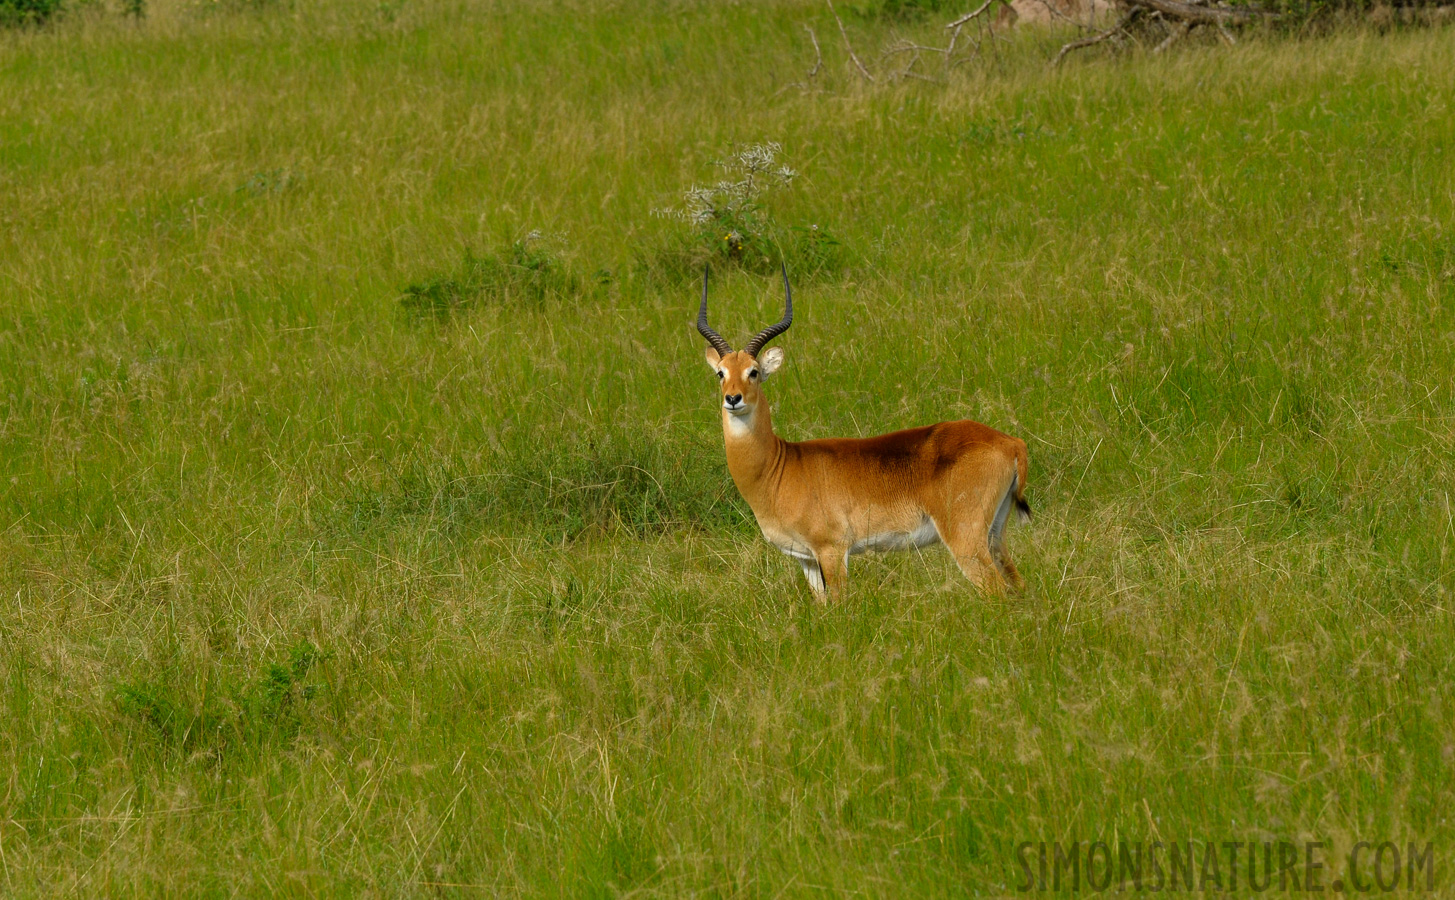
(713, 338)
(772, 331)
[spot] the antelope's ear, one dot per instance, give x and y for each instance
(713, 357)
(769, 362)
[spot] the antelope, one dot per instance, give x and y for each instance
(823, 501)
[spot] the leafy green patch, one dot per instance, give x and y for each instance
(561, 489)
(984, 132)
(273, 181)
(28, 12)
(265, 709)
(527, 273)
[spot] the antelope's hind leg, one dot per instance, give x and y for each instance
(996, 540)
(969, 542)
(1008, 569)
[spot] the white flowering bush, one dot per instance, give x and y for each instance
(729, 216)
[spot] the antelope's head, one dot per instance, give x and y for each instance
(741, 373)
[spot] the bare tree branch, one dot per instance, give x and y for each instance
(1178, 32)
(852, 55)
(1057, 14)
(901, 48)
(1182, 15)
(907, 46)
(980, 10)
(1119, 28)
(1205, 15)
(955, 27)
(947, 51)
(806, 85)
(817, 53)
(909, 74)
(950, 50)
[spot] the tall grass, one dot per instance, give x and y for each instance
(302, 592)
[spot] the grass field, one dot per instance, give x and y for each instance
(305, 591)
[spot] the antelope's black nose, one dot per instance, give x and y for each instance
(733, 399)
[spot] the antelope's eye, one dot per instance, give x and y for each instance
(719, 374)
(753, 374)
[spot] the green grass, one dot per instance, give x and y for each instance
(304, 593)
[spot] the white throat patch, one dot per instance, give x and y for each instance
(738, 426)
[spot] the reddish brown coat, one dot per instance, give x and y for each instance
(821, 501)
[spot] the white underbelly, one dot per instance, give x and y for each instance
(923, 536)
(789, 544)
(795, 550)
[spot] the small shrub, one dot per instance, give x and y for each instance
(810, 249)
(272, 705)
(984, 133)
(264, 709)
(28, 12)
(730, 219)
(529, 271)
(152, 704)
(259, 184)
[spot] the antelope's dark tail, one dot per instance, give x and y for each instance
(1022, 467)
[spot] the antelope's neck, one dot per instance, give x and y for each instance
(754, 454)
